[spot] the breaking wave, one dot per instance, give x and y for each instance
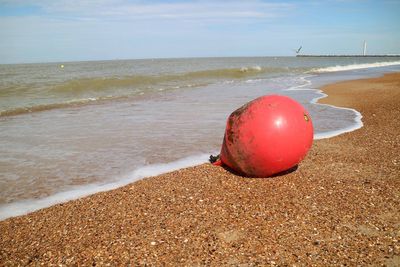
(44, 107)
(98, 84)
(355, 67)
(84, 91)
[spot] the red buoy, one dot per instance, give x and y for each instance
(268, 135)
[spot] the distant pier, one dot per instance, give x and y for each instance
(348, 55)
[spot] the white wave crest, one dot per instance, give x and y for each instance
(355, 66)
(254, 68)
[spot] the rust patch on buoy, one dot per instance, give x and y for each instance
(240, 110)
(306, 118)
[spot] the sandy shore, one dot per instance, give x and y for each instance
(341, 206)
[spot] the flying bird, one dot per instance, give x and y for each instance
(298, 50)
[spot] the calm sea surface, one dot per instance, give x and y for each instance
(75, 128)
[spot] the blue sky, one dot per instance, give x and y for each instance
(68, 30)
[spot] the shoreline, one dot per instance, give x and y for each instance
(357, 120)
(338, 207)
(26, 206)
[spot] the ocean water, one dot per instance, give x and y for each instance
(72, 129)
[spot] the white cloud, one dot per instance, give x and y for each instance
(102, 29)
(189, 10)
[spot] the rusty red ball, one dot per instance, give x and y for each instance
(267, 136)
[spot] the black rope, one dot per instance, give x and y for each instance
(213, 158)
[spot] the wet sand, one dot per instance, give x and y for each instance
(340, 207)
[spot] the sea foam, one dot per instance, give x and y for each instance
(355, 67)
(30, 205)
(357, 124)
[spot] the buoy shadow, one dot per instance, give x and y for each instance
(293, 169)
